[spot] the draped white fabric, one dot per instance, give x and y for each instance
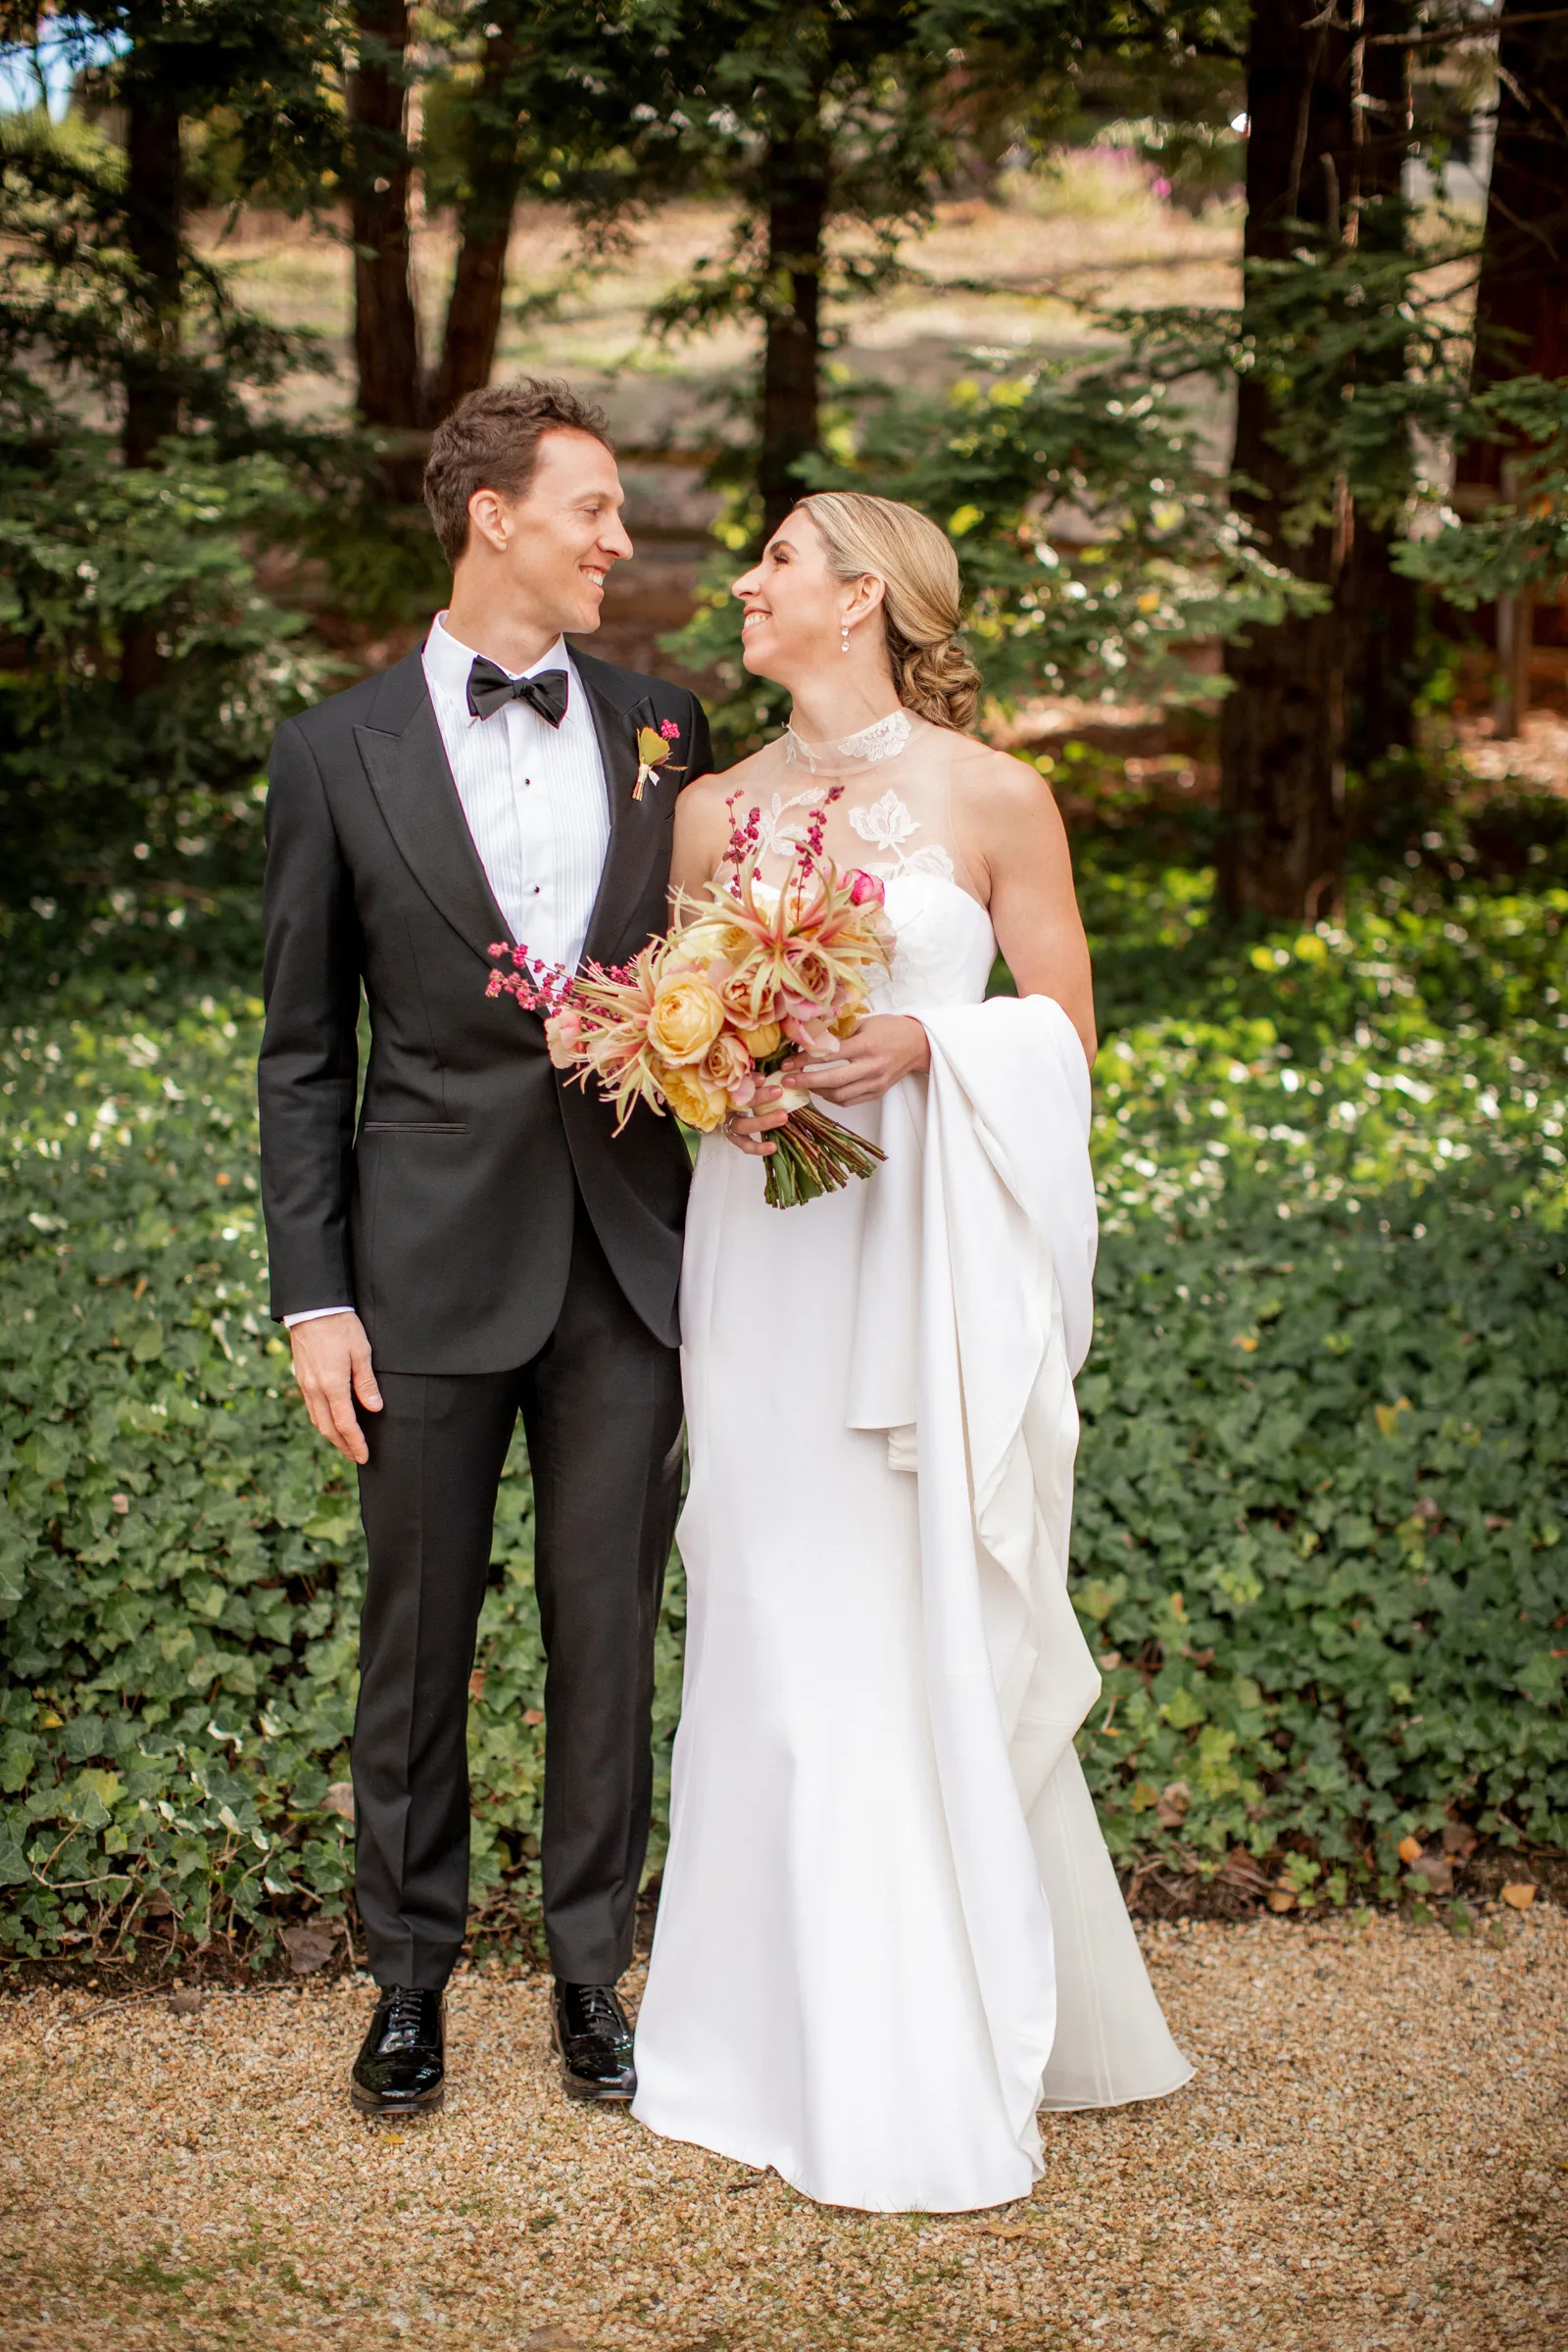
(889, 1928)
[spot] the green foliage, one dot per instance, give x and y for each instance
(87, 549)
(1097, 551)
(1322, 1482)
(1325, 1454)
(1521, 541)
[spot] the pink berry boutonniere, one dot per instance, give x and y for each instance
(652, 754)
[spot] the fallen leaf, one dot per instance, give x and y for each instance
(1519, 1895)
(157, 1905)
(339, 1798)
(1174, 1800)
(1281, 1900)
(1459, 1840)
(309, 1947)
(532, 1716)
(1411, 1849)
(186, 2000)
(1437, 1871)
(1006, 2228)
(476, 1683)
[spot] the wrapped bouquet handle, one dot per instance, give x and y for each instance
(703, 1019)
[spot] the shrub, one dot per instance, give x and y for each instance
(1321, 1489)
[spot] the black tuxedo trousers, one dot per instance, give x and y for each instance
(601, 1410)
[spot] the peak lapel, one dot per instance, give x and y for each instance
(414, 787)
(635, 830)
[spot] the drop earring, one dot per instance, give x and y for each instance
(843, 637)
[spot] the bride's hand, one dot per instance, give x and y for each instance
(885, 1048)
(750, 1131)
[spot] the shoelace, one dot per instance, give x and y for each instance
(597, 2008)
(402, 2014)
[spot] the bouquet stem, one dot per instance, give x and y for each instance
(815, 1154)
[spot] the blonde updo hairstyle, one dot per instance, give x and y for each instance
(921, 609)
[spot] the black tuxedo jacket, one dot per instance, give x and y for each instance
(447, 1218)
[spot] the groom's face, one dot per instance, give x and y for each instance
(559, 539)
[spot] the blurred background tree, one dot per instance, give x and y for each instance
(1319, 442)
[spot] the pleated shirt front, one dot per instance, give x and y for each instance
(534, 797)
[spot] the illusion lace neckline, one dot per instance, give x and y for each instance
(883, 739)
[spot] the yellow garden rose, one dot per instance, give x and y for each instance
(761, 1044)
(686, 1019)
(694, 1098)
(712, 941)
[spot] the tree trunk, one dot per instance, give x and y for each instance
(386, 325)
(484, 231)
(797, 213)
(1281, 725)
(1522, 298)
(154, 223)
(1381, 607)
(154, 211)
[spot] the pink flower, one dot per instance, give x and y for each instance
(670, 730)
(866, 890)
(564, 1036)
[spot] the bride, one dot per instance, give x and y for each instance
(890, 1931)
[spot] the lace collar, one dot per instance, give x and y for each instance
(884, 739)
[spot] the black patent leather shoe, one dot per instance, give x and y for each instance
(401, 2068)
(594, 2042)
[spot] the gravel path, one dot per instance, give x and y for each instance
(1374, 2154)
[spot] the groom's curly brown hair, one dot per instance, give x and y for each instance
(491, 442)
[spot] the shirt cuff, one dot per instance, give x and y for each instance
(313, 1314)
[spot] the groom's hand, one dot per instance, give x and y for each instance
(333, 1365)
(885, 1048)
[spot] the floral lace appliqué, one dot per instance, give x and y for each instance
(887, 826)
(884, 739)
(775, 837)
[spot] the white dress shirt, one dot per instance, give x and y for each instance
(536, 804)
(534, 797)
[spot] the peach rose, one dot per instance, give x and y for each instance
(692, 1097)
(764, 1042)
(564, 1036)
(685, 1019)
(744, 992)
(726, 1062)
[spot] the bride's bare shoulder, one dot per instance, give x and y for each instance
(709, 793)
(987, 782)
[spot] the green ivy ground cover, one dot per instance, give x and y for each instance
(1322, 1487)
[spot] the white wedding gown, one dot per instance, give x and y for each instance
(889, 1929)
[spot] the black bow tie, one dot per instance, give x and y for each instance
(489, 687)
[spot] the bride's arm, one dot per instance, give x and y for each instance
(700, 834)
(1017, 839)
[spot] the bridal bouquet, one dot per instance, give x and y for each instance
(704, 1016)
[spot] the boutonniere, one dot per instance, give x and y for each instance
(652, 754)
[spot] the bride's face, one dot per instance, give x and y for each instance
(794, 607)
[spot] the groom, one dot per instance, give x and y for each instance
(470, 1241)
